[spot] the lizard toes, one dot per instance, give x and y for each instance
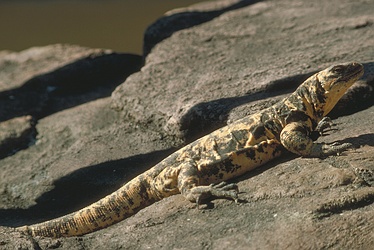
(224, 186)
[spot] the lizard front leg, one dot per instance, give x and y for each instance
(294, 137)
(188, 184)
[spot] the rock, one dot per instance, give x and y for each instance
(228, 61)
(233, 59)
(16, 134)
(53, 83)
(183, 18)
(47, 83)
(8, 236)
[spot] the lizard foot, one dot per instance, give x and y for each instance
(335, 148)
(203, 194)
(324, 124)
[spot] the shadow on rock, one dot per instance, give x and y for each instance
(16, 134)
(361, 140)
(82, 81)
(82, 188)
(166, 26)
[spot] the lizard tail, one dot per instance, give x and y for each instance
(111, 209)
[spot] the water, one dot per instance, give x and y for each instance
(112, 24)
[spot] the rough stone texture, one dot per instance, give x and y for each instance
(224, 62)
(40, 81)
(205, 66)
(15, 134)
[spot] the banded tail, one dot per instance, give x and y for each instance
(111, 209)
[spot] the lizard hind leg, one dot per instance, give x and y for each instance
(188, 184)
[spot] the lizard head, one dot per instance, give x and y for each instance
(334, 82)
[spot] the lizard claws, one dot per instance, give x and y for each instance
(213, 191)
(325, 124)
(335, 148)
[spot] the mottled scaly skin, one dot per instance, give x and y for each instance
(195, 169)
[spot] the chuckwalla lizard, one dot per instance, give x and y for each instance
(198, 170)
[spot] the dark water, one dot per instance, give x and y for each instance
(113, 24)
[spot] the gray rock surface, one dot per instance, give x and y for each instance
(15, 134)
(224, 62)
(205, 66)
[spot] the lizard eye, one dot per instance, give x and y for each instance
(337, 69)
